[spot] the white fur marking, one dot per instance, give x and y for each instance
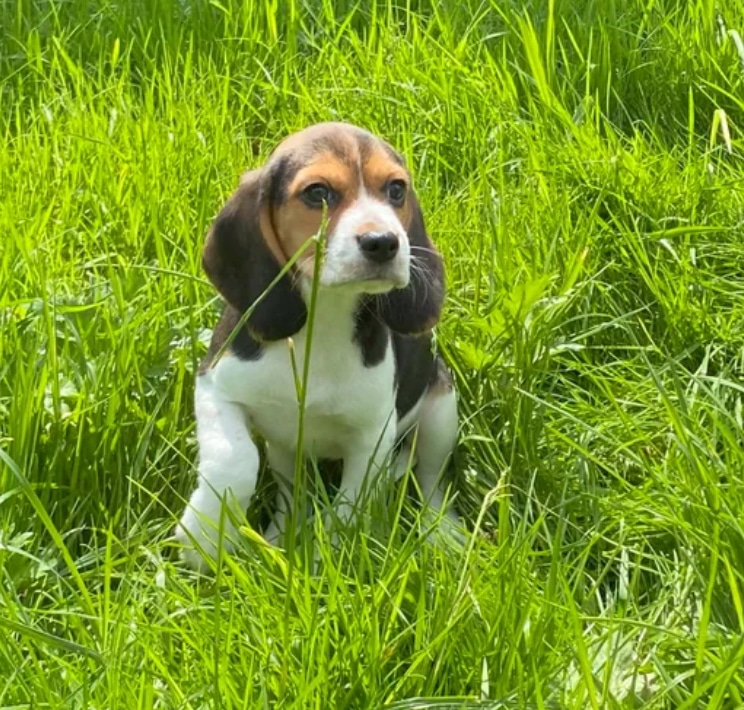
(437, 435)
(344, 262)
(349, 415)
(228, 470)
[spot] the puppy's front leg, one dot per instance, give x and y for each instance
(366, 459)
(228, 471)
(282, 462)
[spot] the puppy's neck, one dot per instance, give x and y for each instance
(345, 327)
(333, 316)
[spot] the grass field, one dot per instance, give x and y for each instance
(580, 165)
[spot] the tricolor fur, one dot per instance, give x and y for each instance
(373, 373)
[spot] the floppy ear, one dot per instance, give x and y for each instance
(416, 308)
(240, 264)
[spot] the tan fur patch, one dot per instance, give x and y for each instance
(295, 221)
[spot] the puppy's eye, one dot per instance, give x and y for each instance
(316, 194)
(396, 192)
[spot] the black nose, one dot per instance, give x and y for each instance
(378, 247)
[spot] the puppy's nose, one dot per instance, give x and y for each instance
(378, 247)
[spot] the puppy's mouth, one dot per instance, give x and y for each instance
(379, 281)
(376, 285)
(367, 278)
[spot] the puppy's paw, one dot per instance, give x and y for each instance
(404, 460)
(199, 537)
(444, 528)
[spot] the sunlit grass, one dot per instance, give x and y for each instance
(579, 163)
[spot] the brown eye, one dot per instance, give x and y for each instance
(396, 192)
(317, 194)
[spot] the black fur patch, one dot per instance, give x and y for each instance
(415, 369)
(368, 145)
(416, 366)
(243, 346)
(340, 149)
(370, 334)
(241, 266)
(280, 176)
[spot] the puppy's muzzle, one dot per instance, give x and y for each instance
(378, 247)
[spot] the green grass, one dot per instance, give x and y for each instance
(580, 165)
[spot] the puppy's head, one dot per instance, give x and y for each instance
(376, 242)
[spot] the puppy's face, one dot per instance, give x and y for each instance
(375, 234)
(366, 193)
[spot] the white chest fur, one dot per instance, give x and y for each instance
(345, 400)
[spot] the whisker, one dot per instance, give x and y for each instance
(426, 249)
(421, 269)
(420, 260)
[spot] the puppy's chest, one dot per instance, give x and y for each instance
(344, 398)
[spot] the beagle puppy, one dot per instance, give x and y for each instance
(374, 375)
